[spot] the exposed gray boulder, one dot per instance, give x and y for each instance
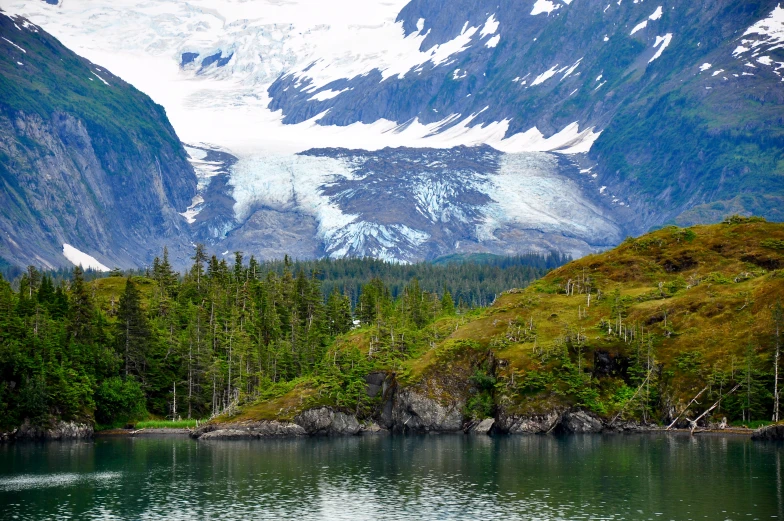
(375, 383)
(323, 421)
(373, 428)
(531, 424)
(412, 411)
(249, 430)
(769, 433)
(60, 430)
(481, 427)
(578, 422)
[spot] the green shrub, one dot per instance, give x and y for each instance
(118, 401)
(774, 244)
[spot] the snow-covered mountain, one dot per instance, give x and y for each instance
(524, 124)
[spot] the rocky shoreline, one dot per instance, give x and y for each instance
(403, 412)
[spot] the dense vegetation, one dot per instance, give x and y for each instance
(633, 333)
(120, 348)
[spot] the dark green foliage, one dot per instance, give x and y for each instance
(198, 344)
(118, 401)
(132, 333)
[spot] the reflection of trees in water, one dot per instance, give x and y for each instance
(402, 477)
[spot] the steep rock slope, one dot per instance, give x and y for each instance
(89, 166)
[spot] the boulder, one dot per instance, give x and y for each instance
(375, 383)
(769, 433)
(412, 411)
(324, 421)
(529, 424)
(481, 427)
(373, 428)
(578, 422)
(248, 430)
(59, 430)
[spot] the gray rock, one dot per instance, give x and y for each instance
(60, 430)
(578, 422)
(414, 412)
(375, 383)
(769, 433)
(482, 427)
(531, 424)
(373, 428)
(250, 430)
(323, 421)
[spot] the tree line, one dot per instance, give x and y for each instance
(197, 343)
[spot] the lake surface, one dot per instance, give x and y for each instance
(635, 477)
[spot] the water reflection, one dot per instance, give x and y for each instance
(391, 478)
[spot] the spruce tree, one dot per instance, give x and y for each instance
(132, 333)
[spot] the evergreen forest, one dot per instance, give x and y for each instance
(156, 343)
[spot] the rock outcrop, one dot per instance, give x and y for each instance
(324, 421)
(528, 424)
(85, 160)
(578, 422)
(248, 430)
(60, 430)
(769, 433)
(414, 412)
(481, 427)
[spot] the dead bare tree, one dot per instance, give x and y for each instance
(686, 408)
(693, 422)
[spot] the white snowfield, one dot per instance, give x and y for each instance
(79, 258)
(313, 41)
(763, 37)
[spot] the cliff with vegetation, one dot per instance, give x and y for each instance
(85, 159)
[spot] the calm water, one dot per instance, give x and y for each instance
(431, 477)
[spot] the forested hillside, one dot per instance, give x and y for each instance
(119, 348)
(659, 329)
(666, 327)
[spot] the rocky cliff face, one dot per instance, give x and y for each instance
(85, 160)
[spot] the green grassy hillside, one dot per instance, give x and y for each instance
(633, 333)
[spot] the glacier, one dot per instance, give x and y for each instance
(220, 68)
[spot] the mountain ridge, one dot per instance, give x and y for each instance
(85, 159)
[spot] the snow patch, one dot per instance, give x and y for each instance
(571, 69)
(661, 42)
(546, 75)
(656, 14)
(490, 27)
(639, 27)
(705, 66)
(768, 34)
(765, 60)
(103, 80)
(12, 43)
(327, 94)
(492, 42)
(544, 6)
(79, 258)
